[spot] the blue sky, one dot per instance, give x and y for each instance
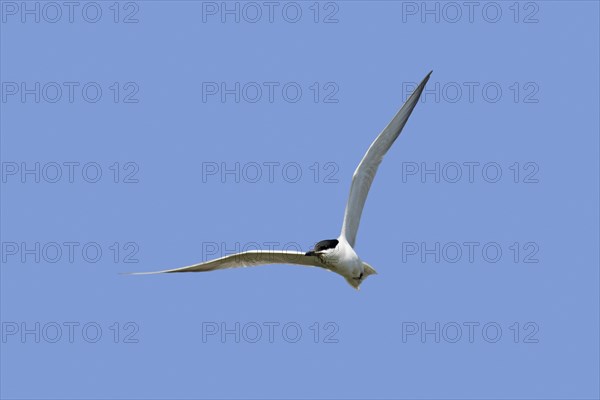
(155, 135)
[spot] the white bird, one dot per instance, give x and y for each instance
(336, 255)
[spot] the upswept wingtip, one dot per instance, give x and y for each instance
(427, 77)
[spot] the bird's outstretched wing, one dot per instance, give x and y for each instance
(365, 172)
(248, 259)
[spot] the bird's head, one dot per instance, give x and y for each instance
(356, 281)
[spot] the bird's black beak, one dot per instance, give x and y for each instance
(309, 253)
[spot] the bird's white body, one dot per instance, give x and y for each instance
(343, 259)
(336, 255)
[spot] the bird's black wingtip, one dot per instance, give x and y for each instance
(425, 80)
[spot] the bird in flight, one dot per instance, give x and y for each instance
(336, 255)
